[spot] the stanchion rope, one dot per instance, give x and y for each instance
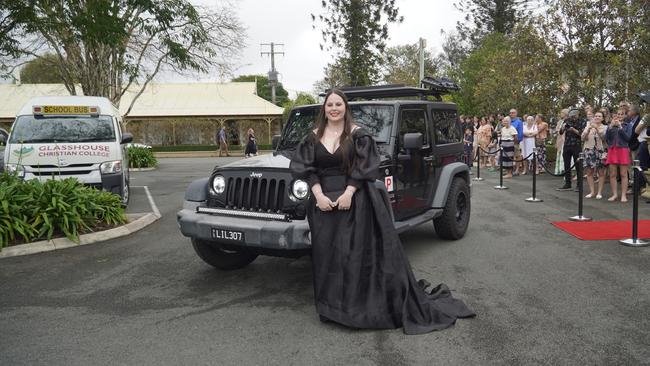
(522, 159)
(487, 152)
(558, 175)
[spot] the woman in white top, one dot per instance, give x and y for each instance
(508, 139)
(528, 145)
(593, 137)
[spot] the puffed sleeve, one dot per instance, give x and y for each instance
(365, 166)
(303, 161)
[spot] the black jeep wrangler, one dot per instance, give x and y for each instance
(253, 206)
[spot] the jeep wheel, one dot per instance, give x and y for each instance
(453, 222)
(221, 258)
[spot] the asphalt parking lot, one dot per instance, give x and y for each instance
(542, 296)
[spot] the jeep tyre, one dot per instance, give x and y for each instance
(221, 258)
(453, 222)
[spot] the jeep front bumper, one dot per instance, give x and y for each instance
(257, 232)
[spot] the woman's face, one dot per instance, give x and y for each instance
(620, 116)
(598, 118)
(334, 108)
(506, 123)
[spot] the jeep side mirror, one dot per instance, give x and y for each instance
(413, 141)
(126, 138)
(3, 139)
(275, 141)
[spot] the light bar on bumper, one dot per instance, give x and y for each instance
(248, 214)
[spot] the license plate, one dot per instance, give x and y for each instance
(227, 235)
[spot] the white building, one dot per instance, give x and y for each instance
(174, 113)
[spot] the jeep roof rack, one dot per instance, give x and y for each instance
(431, 87)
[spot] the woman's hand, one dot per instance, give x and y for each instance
(345, 200)
(324, 203)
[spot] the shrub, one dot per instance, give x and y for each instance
(141, 157)
(551, 151)
(34, 210)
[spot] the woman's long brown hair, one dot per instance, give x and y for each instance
(321, 122)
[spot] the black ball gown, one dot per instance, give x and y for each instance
(362, 278)
(251, 146)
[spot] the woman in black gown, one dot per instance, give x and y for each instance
(251, 145)
(362, 278)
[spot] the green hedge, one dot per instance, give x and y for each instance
(174, 148)
(141, 157)
(551, 151)
(32, 210)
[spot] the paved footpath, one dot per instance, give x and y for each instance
(542, 296)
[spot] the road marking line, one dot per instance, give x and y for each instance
(154, 208)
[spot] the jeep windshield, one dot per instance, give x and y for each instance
(34, 129)
(376, 118)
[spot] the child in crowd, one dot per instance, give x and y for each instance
(469, 147)
(493, 147)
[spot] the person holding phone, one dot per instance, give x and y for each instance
(618, 155)
(594, 152)
(572, 131)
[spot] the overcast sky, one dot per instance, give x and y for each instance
(289, 22)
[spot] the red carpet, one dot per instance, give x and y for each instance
(604, 230)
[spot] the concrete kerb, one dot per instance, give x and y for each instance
(202, 154)
(142, 169)
(136, 222)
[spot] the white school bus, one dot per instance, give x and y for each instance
(70, 136)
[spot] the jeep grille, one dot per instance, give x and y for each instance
(259, 194)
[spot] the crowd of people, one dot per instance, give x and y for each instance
(608, 141)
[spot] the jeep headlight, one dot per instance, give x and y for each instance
(111, 167)
(300, 189)
(17, 169)
(219, 184)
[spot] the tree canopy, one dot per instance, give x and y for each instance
(483, 17)
(577, 52)
(107, 46)
(264, 89)
(301, 99)
(401, 65)
(359, 29)
(42, 70)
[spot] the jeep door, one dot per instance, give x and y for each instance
(414, 168)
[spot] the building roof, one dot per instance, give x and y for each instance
(159, 100)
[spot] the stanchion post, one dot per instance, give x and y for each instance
(635, 241)
(500, 186)
(534, 197)
(478, 165)
(579, 173)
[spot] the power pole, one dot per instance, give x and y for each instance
(273, 75)
(423, 45)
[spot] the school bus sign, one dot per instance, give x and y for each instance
(65, 109)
